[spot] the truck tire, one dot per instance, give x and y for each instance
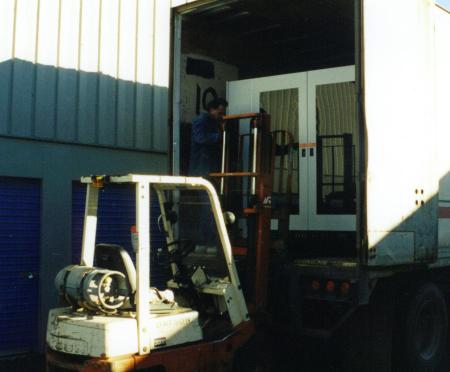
(425, 325)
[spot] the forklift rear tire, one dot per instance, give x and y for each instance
(425, 329)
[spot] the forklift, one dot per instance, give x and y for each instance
(115, 320)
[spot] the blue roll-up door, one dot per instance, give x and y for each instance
(116, 215)
(19, 264)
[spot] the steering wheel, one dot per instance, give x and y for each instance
(183, 248)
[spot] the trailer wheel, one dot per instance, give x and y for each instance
(425, 329)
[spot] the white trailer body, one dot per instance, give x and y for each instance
(387, 257)
(400, 134)
(442, 63)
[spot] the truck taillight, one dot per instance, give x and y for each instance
(330, 286)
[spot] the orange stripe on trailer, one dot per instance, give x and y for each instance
(307, 145)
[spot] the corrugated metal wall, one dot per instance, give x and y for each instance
(86, 71)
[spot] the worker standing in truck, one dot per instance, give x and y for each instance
(205, 158)
(206, 139)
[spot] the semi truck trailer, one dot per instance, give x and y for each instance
(363, 86)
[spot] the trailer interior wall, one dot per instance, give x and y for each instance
(270, 38)
(442, 32)
(203, 78)
(399, 104)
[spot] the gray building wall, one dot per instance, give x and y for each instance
(57, 165)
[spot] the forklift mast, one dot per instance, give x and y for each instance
(250, 155)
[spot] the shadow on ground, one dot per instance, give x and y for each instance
(23, 363)
(312, 356)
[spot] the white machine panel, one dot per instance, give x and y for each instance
(294, 108)
(110, 336)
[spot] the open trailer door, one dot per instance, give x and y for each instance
(398, 89)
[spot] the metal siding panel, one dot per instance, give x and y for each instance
(144, 74)
(99, 73)
(144, 110)
(21, 99)
(126, 114)
(46, 72)
(107, 111)
(127, 74)
(6, 29)
(88, 75)
(6, 50)
(116, 215)
(25, 30)
(23, 73)
(87, 108)
(161, 75)
(108, 68)
(19, 255)
(45, 120)
(67, 99)
(47, 53)
(67, 104)
(5, 94)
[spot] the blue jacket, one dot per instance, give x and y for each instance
(205, 146)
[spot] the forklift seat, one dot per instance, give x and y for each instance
(114, 257)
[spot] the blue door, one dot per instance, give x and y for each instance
(19, 264)
(116, 215)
